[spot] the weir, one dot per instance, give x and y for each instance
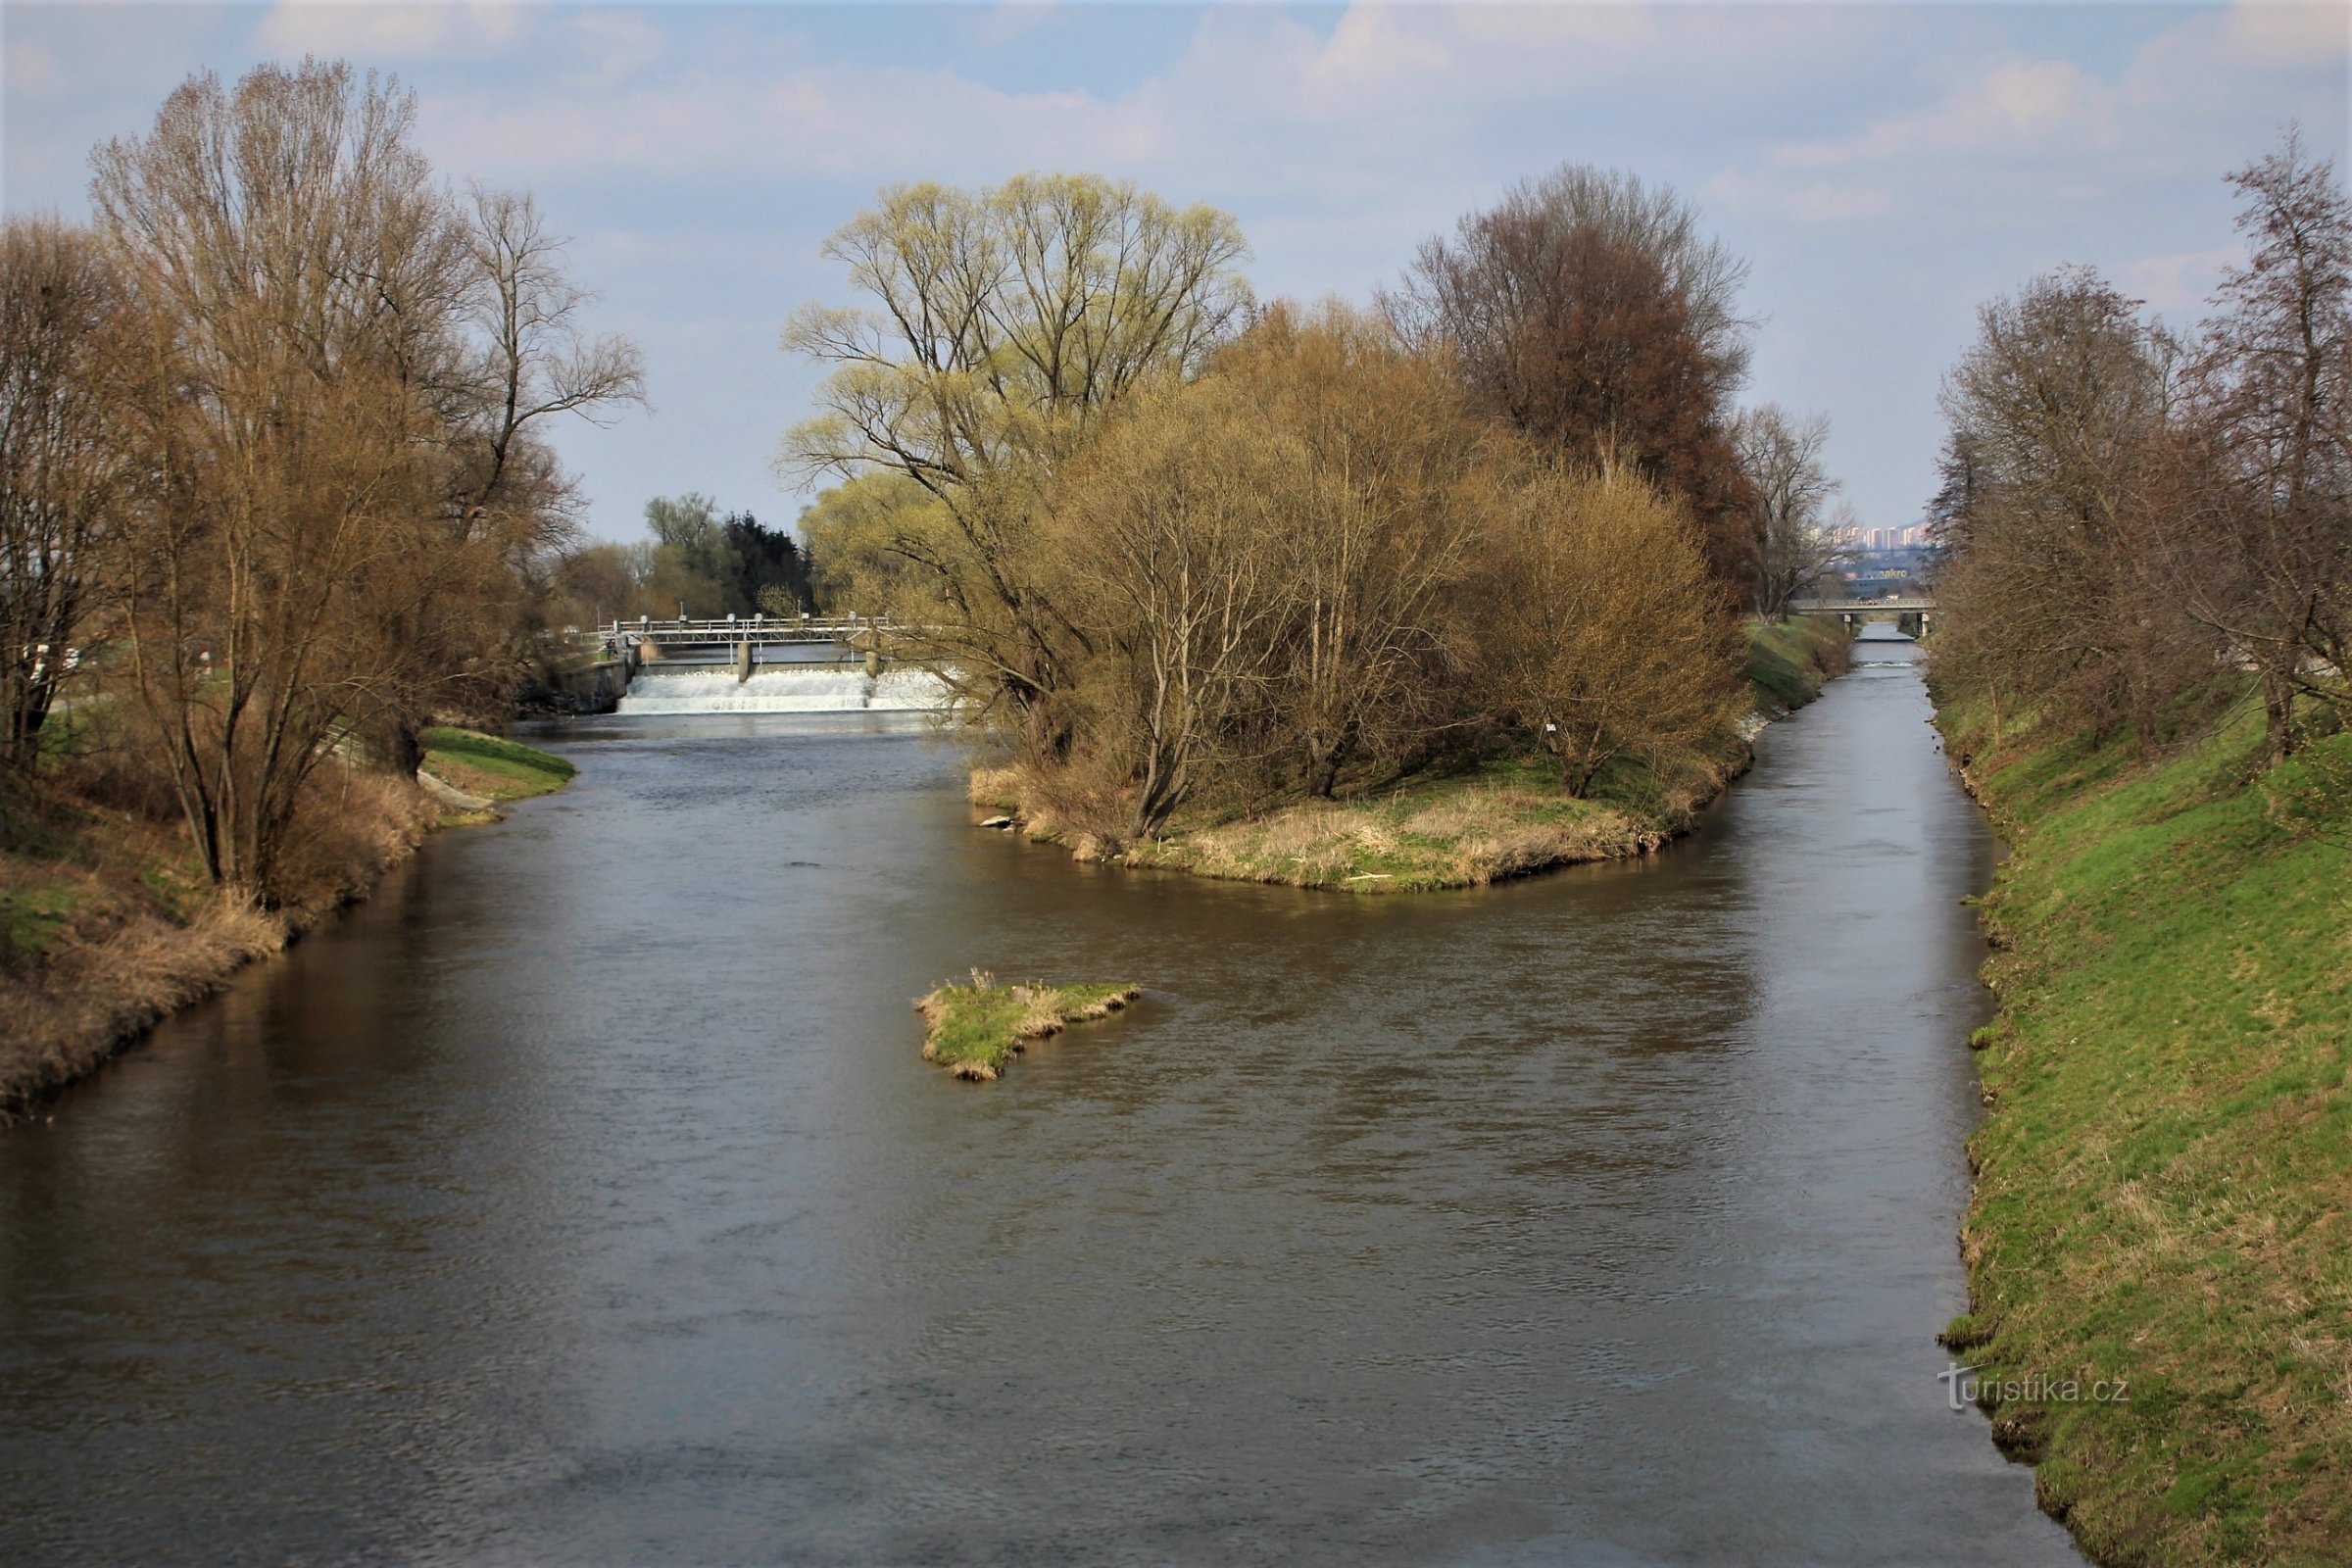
(789, 664)
(784, 689)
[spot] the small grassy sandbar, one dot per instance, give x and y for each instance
(975, 1030)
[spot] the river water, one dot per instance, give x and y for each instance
(583, 1198)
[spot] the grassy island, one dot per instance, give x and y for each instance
(975, 1030)
(2164, 1180)
(1480, 816)
(1502, 816)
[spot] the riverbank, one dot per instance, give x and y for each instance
(2164, 1179)
(1498, 815)
(107, 924)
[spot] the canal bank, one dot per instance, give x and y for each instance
(583, 1196)
(2164, 1180)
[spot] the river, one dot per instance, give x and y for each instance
(583, 1198)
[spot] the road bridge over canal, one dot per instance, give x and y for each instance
(1914, 613)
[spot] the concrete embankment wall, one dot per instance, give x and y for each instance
(598, 689)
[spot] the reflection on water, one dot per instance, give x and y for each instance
(584, 1198)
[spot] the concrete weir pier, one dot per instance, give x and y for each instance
(766, 665)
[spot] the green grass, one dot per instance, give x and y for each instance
(2164, 1184)
(1788, 662)
(30, 918)
(975, 1030)
(492, 768)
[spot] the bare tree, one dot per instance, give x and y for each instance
(304, 274)
(1375, 528)
(1588, 309)
(535, 359)
(1795, 548)
(2273, 567)
(64, 463)
(2055, 584)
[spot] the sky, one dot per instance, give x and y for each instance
(1885, 169)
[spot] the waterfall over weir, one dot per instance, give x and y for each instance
(784, 689)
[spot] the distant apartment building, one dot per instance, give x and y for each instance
(1910, 536)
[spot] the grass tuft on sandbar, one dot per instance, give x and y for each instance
(975, 1030)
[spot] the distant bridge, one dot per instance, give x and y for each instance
(744, 640)
(1912, 613)
(781, 664)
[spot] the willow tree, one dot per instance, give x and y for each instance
(1167, 536)
(1376, 529)
(1002, 324)
(1602, 632)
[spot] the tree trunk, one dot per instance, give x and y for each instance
(2277, 717)
(1323, 771)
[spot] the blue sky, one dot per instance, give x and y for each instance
(1885, 168)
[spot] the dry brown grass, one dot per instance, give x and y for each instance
(97, 989)
(1463, 833)
(995, 786)
(111, 926)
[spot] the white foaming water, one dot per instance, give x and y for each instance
(785, 688)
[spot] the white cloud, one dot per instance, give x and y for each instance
(2286, 33)
(370, 30)
(2018, 105)
(614, 45)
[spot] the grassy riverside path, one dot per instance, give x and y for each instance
(2164, 1177)
(107, 924)
(1500, 815)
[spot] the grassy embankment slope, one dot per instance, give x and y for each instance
(2164, 1180)
(975, 1031)
(490, 769)
(107, 922)
(1501, 815)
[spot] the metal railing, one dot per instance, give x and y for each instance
(647, 632)
(1904, 605)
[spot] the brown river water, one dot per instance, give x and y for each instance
(583, 1198)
